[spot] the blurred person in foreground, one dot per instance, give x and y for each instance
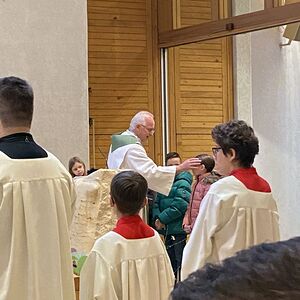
(267, 271)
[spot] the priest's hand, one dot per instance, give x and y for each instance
(188, 164)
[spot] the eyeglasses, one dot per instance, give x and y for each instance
(150, 130)
(215, 150)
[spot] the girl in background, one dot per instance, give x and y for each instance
(77, 167)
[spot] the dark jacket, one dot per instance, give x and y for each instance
(171, 209)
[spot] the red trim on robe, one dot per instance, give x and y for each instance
(251, 180)
(133, 227)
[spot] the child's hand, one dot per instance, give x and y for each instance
(159, 225)
(187, 228)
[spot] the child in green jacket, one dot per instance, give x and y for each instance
(168, 213)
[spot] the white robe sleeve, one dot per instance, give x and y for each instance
(97, 279)
(160, 179)
(199, 247)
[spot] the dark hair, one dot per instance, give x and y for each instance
(266, 271)
(16, 102)
(171, 155)
(237, 135)
(91, 170)
(72, 162)
(208, 161)
(128, 190)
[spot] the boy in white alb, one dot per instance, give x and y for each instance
(129, 262)
(239, 210)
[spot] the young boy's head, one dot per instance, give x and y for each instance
(128, 192)
(207, 164)
(236, 146)
(173, 159)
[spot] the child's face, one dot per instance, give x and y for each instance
(173, 161)
(200, 170)
(78, 169)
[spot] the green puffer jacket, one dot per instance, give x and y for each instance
(170, 209)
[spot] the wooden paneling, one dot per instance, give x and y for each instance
(202, 94)
(124, 66)
(258, 20)
(123, 70)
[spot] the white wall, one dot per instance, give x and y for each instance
(276, 119)
(275, 102)
(242, 68)
(45, 42)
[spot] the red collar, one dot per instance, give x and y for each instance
(250, 178)
(133, 227)
(244, 171)
(129, 219)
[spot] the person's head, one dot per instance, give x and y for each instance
(266, 271)
(16, 104)
(128, 191)
(76, 167)
(236, 146)
(142, 125)
(207, 164)
(173, 159)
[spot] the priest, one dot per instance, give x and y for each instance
(127, 152)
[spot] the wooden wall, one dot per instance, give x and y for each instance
(201, 95)
(124, 76)
(123, 73)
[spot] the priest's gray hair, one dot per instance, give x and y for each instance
(139, 118)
